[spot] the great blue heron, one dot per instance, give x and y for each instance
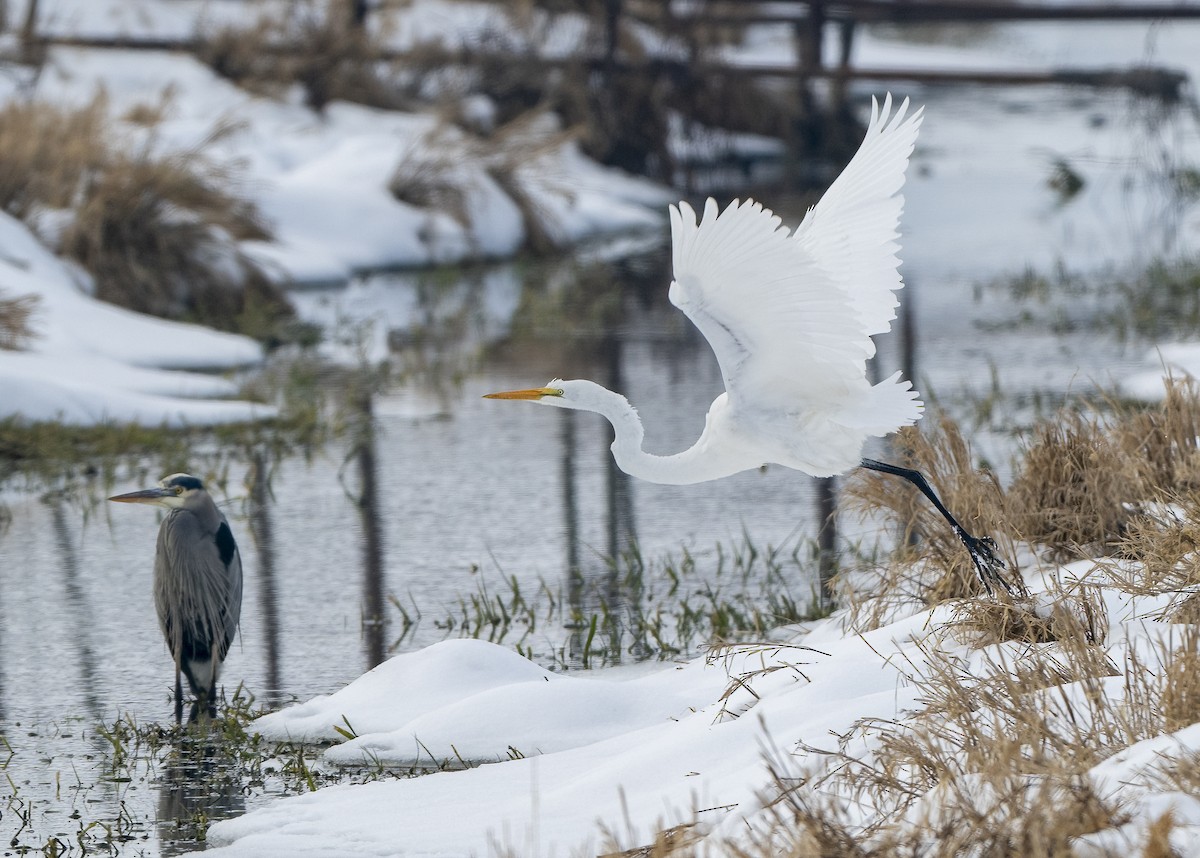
(790, 317)
(197, 585)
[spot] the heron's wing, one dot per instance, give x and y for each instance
(231, 611)
(790, 318)
(198, 584)
(851, 233)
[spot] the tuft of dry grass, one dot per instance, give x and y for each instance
(1062, 613)
(1071, 492)
(15, 316)
(157, 232)
(517, 156)
(995, 759)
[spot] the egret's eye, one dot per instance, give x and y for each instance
(558, 391)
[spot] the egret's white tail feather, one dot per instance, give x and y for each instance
(887, 406)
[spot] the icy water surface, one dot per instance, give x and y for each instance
(481, 498)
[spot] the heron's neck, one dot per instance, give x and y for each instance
(684, 468)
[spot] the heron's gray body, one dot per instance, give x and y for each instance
(198, 593)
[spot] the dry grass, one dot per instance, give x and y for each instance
(519, 156)
(996, 761)
(15, 316)
(1017, 700)
(158, 233)
(1126, 484)
(314, 45)
(1071, 492)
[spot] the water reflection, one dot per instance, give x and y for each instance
(78, 605)
(263, 532)
(200, 781)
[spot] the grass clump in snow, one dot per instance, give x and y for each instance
(15, 316)
(517, 156)
(157, 232)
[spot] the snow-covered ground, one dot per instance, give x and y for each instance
(607, 762)
(89, 361)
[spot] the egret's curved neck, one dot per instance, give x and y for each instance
(693, 465)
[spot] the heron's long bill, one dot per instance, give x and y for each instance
(144, 496)
(531, 393)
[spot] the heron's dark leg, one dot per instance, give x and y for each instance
(178, 695)
(983, 556)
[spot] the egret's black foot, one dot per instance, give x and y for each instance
(989, 566)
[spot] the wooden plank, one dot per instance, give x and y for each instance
(913, 11)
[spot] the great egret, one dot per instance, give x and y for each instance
(790, 317)
(197, 585)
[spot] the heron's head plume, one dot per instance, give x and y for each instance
(174, 492)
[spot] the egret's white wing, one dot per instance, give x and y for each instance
(790, 318)
(851, 233)
(782, 330)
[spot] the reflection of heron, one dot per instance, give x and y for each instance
(197, 585)
(790, 318)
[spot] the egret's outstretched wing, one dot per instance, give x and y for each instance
(851, 233)
(790, 317)
(778, 324)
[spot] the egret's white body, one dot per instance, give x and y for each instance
(790, 317)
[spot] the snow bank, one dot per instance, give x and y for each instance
(688, 744)
(428, 703)
(89, 361)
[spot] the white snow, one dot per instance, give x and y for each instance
(608, 762)
(89, 361)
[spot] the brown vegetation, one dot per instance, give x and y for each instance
(158, 233)
(315, 45)
(1018, 699)
(15, 316)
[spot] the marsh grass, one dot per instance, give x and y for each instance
(638, 608)
(1018, 699)
(1157, 301)
(930, 565)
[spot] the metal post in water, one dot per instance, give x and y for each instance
(827, 559)
(374, 621)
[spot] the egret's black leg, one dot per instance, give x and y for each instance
(983, 556)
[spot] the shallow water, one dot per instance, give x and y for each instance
(474, 493)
